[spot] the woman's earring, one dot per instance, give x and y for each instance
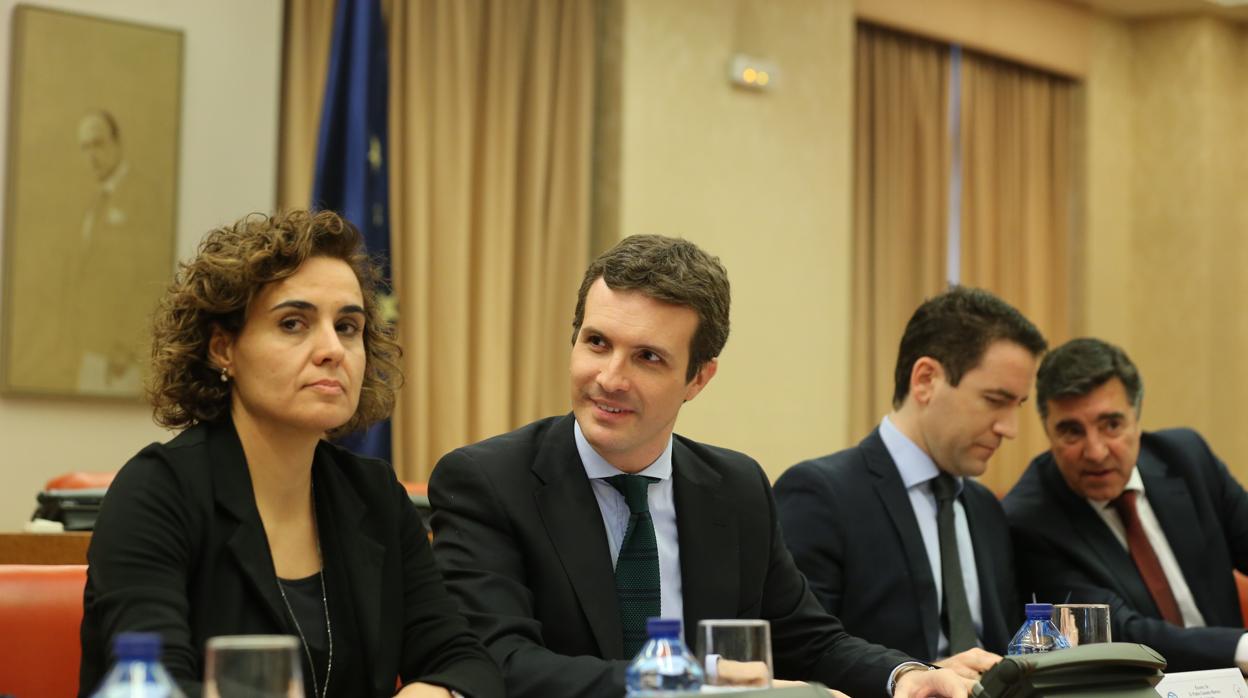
(225, 375)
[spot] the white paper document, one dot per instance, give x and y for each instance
(1214, 683)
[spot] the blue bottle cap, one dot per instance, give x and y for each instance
(137, 646)
(663, 627)
(1039, 611)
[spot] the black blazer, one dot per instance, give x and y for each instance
(521, 541)
(848, 521)
(1063, 547)
(179, 549)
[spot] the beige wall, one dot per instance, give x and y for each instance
(762, 180)
(227, 167)
(1167, 226)
(1108, 146)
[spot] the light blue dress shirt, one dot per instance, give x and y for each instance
(917, 471)
(615, 516)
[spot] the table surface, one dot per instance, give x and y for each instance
(44, 548)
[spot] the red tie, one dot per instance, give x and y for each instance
(1146, 559)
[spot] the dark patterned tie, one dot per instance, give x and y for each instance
(637, 569)
(1145, 559)
(956, 609)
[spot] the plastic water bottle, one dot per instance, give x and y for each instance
(137, 672)
(664, 665)
(1038, 633)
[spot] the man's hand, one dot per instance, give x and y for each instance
(729, 672)
(971, 663)
(747, 674)
(422, 690)
(781, 683)
(942, 683)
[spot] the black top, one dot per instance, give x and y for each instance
(179, 549)
(307, 603)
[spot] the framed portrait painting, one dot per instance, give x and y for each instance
(90, 201)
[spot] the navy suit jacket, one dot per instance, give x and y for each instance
(848, 521)
(521, 541)
(1064, 547)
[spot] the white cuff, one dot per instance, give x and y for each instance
(1241, 653)
(902, 669)
(712, 669)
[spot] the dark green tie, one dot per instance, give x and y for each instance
(960, 628)
(637, 569)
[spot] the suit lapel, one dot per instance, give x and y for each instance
(570, 514)
(708, 545)
(990, 601)
(892, 493)
(360, 554)
(247, 544)
(1172, 504)
(1105, 546)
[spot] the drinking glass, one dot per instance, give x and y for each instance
(253, 666)
(1082, 623)
(735, 654)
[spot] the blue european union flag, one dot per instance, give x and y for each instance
(351, 173)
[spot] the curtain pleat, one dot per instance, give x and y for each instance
(308, 30)
(490, 132)
(491, 113)
(901, 182)
(1017, 211)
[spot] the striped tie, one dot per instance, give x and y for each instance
(637, 569)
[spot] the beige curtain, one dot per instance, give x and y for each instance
(490, 129)
(1017, 210)
(901, 174)
(492, 107)
(306, 35)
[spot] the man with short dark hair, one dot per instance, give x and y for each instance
(562, 537)
(895, 536)
(1151, 523)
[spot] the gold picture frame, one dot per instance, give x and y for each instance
(91, 200)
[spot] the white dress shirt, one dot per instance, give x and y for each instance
(918, 470)
(1192, 617)
(615, 515)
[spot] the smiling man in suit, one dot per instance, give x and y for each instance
(897, 539)
(562, 537)
(1151, 523)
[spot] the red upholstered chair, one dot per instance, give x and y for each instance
(419, 492)
(40, 612)
(416, 489)
(80, 481)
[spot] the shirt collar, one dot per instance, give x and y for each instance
(913, 463)
(1135, 482)
(597, 467)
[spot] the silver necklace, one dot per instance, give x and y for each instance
(329, 630)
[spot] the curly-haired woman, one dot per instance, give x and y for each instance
(249, 521)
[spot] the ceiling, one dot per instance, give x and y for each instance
(1140, 9)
